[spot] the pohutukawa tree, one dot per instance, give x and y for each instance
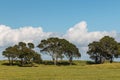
(57, 48)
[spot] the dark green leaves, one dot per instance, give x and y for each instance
(107, 48)
(23, 52)
(57, 48)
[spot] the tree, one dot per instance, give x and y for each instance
(70, 50)
(27, 54)
(24, 52)
(95, 52)
(22, 48)
(109, 47)
(106, 48)
(118, 51)
(50, 47)
(56, 48)
(10, 53)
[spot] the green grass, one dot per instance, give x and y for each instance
(80, 71)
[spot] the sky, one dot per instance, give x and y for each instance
(79, 21)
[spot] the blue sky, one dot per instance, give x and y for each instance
(60, 15)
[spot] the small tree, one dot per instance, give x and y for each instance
(22, 51)
(11, 54)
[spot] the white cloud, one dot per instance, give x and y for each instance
(9, 36)
(80, 35)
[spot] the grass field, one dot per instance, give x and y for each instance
(80, 71)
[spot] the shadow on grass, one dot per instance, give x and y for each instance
(28, 65)
(90, 62)
(7, 64)
(63, 63)
(18, 64)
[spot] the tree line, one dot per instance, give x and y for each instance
(24, 54)
(99, 51)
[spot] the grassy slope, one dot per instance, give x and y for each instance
(81, 71)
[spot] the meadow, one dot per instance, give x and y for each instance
(79, 71)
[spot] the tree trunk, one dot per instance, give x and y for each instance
(12, 61)
(55, 62)
(9, 60)
(53, 59)
(103, 60)
(96, 59)
(22, 62)
(111, 59)
(100, 59)
(70, 60)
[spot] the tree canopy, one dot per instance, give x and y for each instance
(57, 48)
(106, 48)
(23, 52)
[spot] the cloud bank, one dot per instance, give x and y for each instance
(10, 36)
(78, 34)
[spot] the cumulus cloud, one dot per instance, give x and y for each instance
(80, 35)
(9, 36)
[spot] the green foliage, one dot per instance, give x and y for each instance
(31, 45)
(37, 58)
(107, 48)
(58, 48)
(23, 52)
(11, 54)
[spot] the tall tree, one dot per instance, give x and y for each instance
(50, 46)
(56, 48)
(110, 47)
(95, 52)
(106, 48)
